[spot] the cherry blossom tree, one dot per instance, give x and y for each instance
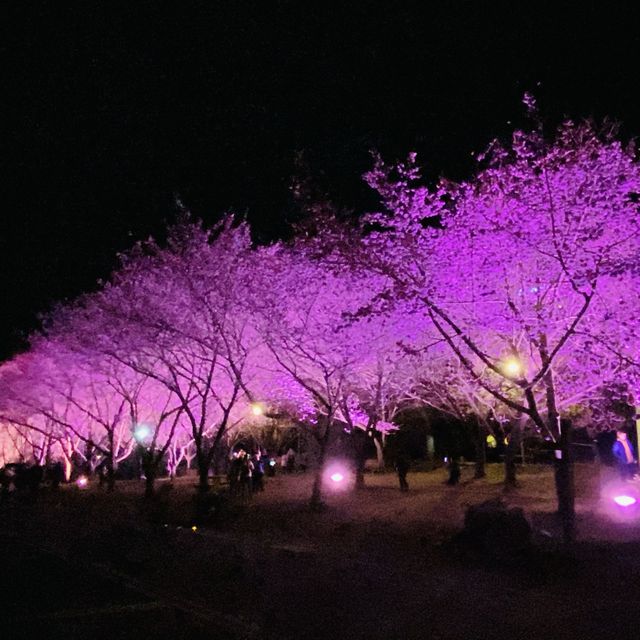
(528, 271)
(30, 432)
(296, 324)
(383, 373)
(327, 363)
(166, 343)
(61, 394)
(177, 316)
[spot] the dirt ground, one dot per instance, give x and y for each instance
(376, 563)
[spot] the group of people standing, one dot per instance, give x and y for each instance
(246, 473)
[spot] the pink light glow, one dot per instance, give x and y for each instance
(495, 265)
(337, 477)
(624, 501)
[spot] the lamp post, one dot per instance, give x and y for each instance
(512, 367)
(257, 409)
(141, 433)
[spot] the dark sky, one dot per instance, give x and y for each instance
(114, 108)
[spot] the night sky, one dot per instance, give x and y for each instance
(115, 109)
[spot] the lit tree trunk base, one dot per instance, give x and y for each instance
(68, 468)
(379, 454)
(315, 502)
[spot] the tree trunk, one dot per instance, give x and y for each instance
(203, 477)
(379, 453)
(315, 502)
(431, 453)
(149, 484)
(510, 470)
(111, 475)
(565, 485)
(68, 467)
(481, 457)
(150, 470)
(565, 488)
(360, 449)
(454, 471)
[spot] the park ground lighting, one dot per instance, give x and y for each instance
(82, 482)
(337, 477)
(624, 500)
(621, 501)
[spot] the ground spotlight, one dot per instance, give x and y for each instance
(338, 476)
(621, 501)
(624, 500)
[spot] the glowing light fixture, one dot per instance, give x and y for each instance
(256, 409)
(624, 501)
(336, 477)
(141, 432)
(512, 367)
(82, 481)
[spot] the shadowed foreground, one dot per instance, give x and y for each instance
(376, 564)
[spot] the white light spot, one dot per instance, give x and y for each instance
(624, 501)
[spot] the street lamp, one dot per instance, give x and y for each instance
(257, 409)
(141, 432)
(512, 367)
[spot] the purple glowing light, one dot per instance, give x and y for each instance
(337, 477)
(82, 481)
(624, 501)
